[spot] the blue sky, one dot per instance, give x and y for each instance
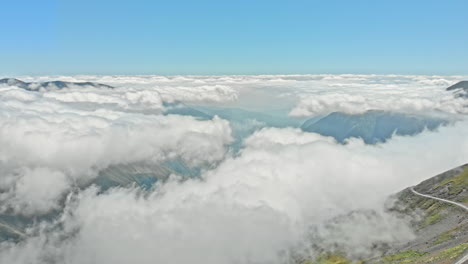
(233, 37)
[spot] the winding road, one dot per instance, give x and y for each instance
(464, 259)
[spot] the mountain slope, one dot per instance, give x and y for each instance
(460, 89)
(459, 85)
(442, 228)
(143, 175)
(372, 126)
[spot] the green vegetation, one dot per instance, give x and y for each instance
(457, 183)
(446, 236)
(408, 256)
(433, 210)
(331, 259)
(450, 253)
(432, 219)
(453, 252)
(412, 256)
(428, 204)
(436, 206)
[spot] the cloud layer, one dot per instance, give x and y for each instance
(305, 95)
(281, 196)
(48, 146)
(253, 208)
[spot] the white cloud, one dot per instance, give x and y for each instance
(356, 94)
(127, 100)
(46, 141)
(357, 104)
(305, 95)
(35, 191)
(253, 207)
(198, 94)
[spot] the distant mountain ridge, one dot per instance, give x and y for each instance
(459, 85)
(375, 126)
(36, 86)
(372, 126)
(460, 89)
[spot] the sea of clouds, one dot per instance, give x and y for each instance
(267, 203)
(304, 95)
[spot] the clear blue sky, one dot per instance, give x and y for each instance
(233, 37)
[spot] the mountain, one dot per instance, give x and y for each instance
(459, 85)
(143, 175)
(372, 126)
(460, 89)
(441, 228)
(53, 85)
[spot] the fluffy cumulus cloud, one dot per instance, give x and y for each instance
(356, 94)
(48, 145)
(149, 91)
(129, 99)
(356, 104)
(144, 98)
(285, 194)
(285, 189)
(34, 189)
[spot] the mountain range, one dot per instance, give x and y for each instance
(372, 126)
(52, 85)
